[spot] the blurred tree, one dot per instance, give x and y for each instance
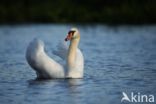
(81, 11)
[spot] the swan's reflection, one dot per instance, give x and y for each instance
(75, 90)
(71, 89)
(75, 82)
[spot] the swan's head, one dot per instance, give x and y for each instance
(73, 34)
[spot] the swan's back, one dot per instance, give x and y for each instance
(44, 66)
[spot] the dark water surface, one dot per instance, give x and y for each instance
(117, 59)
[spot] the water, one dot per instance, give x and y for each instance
(117, 59)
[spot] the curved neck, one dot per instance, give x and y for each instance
(72, 52)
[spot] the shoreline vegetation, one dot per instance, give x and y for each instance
(78, 11)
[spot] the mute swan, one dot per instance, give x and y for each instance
(46, 67)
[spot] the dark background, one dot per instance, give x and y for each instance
(78, 11)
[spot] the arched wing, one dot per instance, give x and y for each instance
(61, 50)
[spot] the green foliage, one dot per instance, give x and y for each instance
(79, 11)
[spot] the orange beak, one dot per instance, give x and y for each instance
(70, 35)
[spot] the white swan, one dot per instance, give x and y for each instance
(46, 67)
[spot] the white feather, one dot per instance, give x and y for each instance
(62, 50)
(44, 66)
(47, 67)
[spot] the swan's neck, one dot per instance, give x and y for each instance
(72, 53)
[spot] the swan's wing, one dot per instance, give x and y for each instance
(45, 66)
(62, 50)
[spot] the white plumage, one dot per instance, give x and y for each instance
(47, 67)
